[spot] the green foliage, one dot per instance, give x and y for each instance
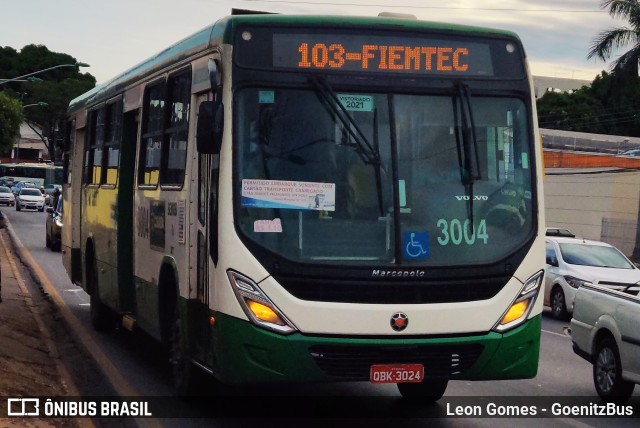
(608, 106)
(56, 88)
(10, 119)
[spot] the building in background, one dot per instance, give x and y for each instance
(591, 187)
(544, 84)
(28, 147)
(555, 139)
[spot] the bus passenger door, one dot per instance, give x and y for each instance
(199, 251)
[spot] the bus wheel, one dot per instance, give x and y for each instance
(181, 366)
(426, 391)
(101, 316)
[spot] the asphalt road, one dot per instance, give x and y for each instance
(138, 368)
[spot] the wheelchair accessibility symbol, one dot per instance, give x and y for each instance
(416, 245)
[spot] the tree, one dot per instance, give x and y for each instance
(578, 111)
(52, 118)
(10, 119)
(56, 88)
(609, 105)
(616, 38)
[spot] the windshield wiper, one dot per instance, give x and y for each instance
(469, 153)
(366, 151)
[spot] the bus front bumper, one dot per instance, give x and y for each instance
(244, 354)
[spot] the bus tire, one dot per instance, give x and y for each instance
(427, 391)
(101, 316)
(182, 369)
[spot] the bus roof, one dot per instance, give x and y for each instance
(222, 32)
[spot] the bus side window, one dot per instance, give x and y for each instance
(69, 146)
(150, 142)
(176, 129)
(111, 153)
(94, 146)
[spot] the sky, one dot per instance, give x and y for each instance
(115, 35)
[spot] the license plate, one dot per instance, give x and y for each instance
(396, 373)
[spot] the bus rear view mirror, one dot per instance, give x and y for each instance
(209, 127)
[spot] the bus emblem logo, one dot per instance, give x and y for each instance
(399, 321)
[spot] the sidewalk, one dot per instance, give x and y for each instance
(29, 362)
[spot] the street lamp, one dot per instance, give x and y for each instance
(77, 64)
(28, 79)
(39, 104)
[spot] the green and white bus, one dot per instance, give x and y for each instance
(312, 198)
(39, 174)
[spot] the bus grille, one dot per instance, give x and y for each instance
(354, 362)
(392, 292)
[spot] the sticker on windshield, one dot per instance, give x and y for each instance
(415, 245)
(273, 226)
(266, 97)
(354, 102)
(300, 195)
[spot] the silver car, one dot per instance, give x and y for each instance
(6, 196)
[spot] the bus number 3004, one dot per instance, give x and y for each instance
(458, 232)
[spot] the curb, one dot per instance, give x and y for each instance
(81, 336)
(65, 377)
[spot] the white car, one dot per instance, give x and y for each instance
(30, 199)
(572, 262)
(6, 196)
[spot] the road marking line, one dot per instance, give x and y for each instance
(553, 332)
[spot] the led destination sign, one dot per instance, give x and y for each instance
(382, 54)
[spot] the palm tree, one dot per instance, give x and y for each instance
(620, 37)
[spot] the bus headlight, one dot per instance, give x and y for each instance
(519, 310)
(260, 310)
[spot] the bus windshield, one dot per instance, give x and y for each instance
(384, 178)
